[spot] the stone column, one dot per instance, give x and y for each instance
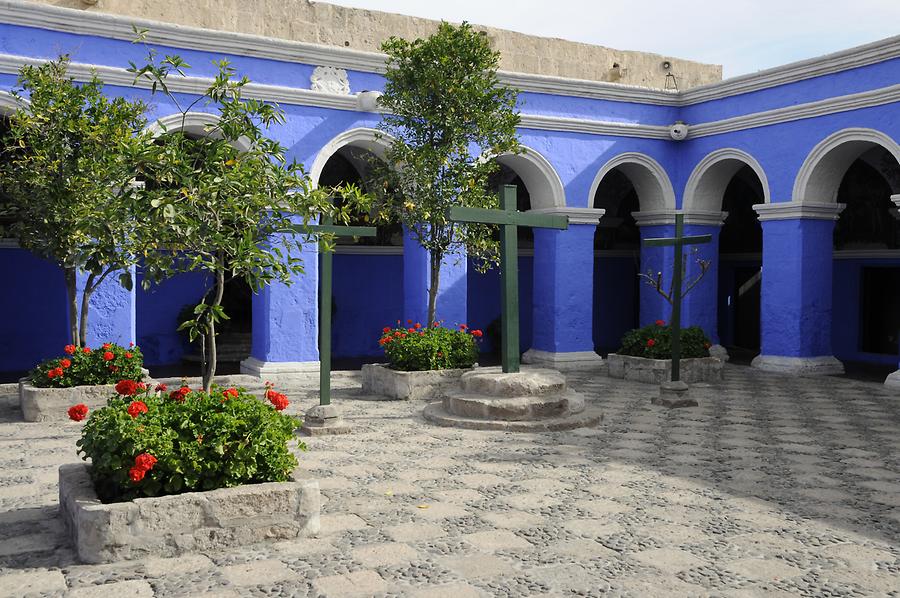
(700, 305)
(796, 288)
(112, 316)
(452, 290)
(893, 379)
(655, 224)
(285, 337)
(564, 292)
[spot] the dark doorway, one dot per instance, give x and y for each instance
(880, 310)
(740, 264)
(617, 260)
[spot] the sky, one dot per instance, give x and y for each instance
(742, 35)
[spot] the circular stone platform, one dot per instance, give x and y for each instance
(533, 400)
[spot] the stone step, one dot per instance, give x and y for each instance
(590, 417)
(529, 382)
(521, 408)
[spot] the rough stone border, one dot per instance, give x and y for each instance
(52, 404)
(657, 371)
(380, 380)
(169, 526)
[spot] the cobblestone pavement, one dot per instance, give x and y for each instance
(774, 486)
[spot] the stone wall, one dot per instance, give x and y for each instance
(321, 23)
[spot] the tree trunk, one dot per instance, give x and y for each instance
(85, 300)
(72, 295)
(209, 370)
(436, 259)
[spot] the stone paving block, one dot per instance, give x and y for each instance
(477, 566)
(478, 480)
(189, 563)
(580, 547)
(359, 583)
(453, 590)
(669, 560)
(414, 532)
(768, 569)
(496, 540)
(13, 585)
(136, 588)
(384, 555)
(512, 519)
(305, 546)
(436, 511)
(257, 572)
(337, 523)
(593, 528)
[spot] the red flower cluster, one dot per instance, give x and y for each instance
(660, 322)
(78, 412)
(86, 350)
(230, 393)
(65, 363)
(128, 355)
(136, 408)
(109, 356)
(477, 333)
(127, 388)
(180, 394)
(651, 342)
(160, 387)
(278, 400)
(107, 345)
(55, 373)
(142, 464)
(70, 349)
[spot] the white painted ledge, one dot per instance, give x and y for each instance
(270, 369)
(824, 365)
(574, 360)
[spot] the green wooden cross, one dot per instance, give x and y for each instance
(509, 220)
(327, 226)
(679, 241)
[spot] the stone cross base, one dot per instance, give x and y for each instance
(673, 395)
(323, 420)
(566, 361)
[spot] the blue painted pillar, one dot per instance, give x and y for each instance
(285, 337)
(796, 288)
(655, 260)
(563, 293)
(452, 289)
(700, 305)
(112, 315)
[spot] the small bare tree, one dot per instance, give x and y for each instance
(655, 280)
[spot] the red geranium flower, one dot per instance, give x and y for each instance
(145, 461)
(477, 333)
(113, 368)
(409, 321)
(436, 324)
(51, 374)
(127, 355)
(70, 349)
(230, 393)
(127, 387)
(142, 386)
(411, 330)
(78, 412)
(107, 345)
(418, 325)
(109, 356)
(136, 408)
(651, 342)
(278, 400)
(136, 474)
(660, 322)
(86, 350)
(385, 329)
(65, 362)
(160, 387)
(462, 326)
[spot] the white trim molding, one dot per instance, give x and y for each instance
(592, 127)
(539, 175)
(10, 103)
(825, 365)
(651, 181)
(790, 210)
(199, 124)
(366, 138)
(706, 186)
(575, 215)
(654, 217)
(274, 369)
(821, 173)
(667, 217)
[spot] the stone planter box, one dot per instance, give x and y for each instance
(657, 371)
(168, 526)
(380, 380)
(52, 404)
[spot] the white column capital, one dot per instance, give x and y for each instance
(576, 215)
(791, 210)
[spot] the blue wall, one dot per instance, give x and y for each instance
(484, 302)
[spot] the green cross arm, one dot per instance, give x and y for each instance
(691, 240)
(508, 217)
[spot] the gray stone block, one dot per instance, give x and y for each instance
(674, 394)
(52, 404)
(380, 380)
(657, 371)
(168, 526)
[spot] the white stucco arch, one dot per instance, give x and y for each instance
(650, 180)
(820, 175)
(193, 123)
(365, 138)
(706, 186)
(543, 182)
(10, 103)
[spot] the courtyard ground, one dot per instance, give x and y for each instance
(774, 486)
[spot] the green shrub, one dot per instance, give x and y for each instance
(655, 342)
(82, 366)
(417, 348)
(150, 442)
